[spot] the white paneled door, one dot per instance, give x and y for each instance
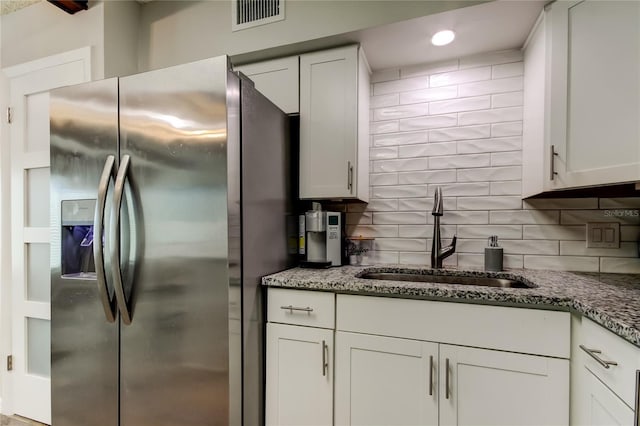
(30, 288)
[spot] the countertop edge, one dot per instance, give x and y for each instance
(542, 297)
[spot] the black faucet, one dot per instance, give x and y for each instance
(438, 253)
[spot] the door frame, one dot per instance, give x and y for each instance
(12, 94)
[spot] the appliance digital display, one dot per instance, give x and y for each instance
(333, 220)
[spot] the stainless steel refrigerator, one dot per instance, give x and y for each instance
(169, 201)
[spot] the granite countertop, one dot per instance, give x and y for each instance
(612, 300)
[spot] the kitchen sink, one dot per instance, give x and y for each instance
(446, 279)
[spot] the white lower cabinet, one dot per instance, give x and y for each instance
(299, 389)
(401, 362)
(385, 381)
(389, 381)
(488, 387)
(605, 377)
(598, 406)
(299, 376)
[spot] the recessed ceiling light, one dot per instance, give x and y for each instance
(442, 38)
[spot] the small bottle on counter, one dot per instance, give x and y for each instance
(493, 255)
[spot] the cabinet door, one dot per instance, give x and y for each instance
(535, 158)
(277, 80)
(328, 123)
(487, 387)
(299, 389)
(385, 381)
(598, 405)
(594, 92)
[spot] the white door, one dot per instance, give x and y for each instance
(594, 126)
(299, 374)
(30, 266)
(598, 405)
(385, 381)
(487, 387)
(328, 123)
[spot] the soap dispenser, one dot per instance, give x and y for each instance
(493, 255)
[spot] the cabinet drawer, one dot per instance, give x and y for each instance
(300, 307)
(528, 331)
(620, 378)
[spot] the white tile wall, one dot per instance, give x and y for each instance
(460, 133)
(458, 125)
(395, 139)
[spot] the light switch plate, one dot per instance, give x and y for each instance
(603, 235)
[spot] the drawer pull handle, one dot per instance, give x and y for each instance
(552, 166)
(430, 375)
(446, 379)
(291, 308)
(325, 362)
(636, 419)
(593, 354)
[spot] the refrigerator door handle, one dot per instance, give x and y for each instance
(125, 312)
(108, 303)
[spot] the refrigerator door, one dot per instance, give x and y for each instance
(266, 206)
(84, 334)
(175, 351)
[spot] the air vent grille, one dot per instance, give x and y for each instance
(251, 13)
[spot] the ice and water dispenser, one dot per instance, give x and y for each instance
(77, 239)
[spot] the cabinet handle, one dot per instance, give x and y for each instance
(430, 375)
(592, 353)
(350, 177)
(325, 356)
(446, 379)
(552, 164)
(291, 308)
(636, 418)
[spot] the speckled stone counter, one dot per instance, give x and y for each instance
(612, 300)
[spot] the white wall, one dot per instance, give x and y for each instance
(173, 32)
(458, 125)
(43, 30)
(121, 27)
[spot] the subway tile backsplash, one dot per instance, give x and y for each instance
(458, 124)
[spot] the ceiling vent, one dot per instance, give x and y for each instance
(251, 13)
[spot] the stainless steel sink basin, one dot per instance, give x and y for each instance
(445, 279)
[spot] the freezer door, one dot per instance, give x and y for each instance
(84, 333)
(175, 351)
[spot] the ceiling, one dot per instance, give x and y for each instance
(8, 6)
(486, 27)
(491, 26)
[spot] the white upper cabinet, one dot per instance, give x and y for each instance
(586, 110)
(277, 80)
(334, 124)
(535, 161)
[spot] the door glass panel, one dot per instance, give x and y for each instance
(38, 197)
(38, 273)
(38, 113)
(38, 346)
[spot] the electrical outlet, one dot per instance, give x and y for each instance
(603, 235)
